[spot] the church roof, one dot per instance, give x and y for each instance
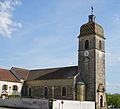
(20, 73)
(53, 73)
(43, 74)
(6, 75)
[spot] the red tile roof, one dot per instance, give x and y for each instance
(6, 75)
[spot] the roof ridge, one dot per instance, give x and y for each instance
(21, 68)
(53, 68)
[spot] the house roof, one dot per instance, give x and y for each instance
(6, 75)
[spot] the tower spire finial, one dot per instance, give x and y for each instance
(91, 17)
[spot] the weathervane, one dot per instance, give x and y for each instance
(91, 10)
(91, 17)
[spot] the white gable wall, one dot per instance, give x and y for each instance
(10, 88)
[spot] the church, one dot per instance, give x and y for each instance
(85, 82)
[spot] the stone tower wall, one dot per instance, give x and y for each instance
(87, 76)
(92, 65)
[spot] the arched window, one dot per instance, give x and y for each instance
(4, 87)
(101, 101)
(64, 91)
(29, 92)
(46, 92)
(100, 45)
(86, 44)
(24, 90)
(15, 88)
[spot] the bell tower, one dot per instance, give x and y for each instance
(91, 61)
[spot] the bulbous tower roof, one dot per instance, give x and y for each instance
(91, 28)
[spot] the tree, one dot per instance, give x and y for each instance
(113, 100)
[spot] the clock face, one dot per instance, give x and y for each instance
(86, 53)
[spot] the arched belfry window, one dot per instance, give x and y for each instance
(46, 92)
(86, 44)
(100, 45)
(64, 91)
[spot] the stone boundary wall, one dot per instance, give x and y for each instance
(25, 103)
(29, 103)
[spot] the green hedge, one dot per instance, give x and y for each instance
(14, 96)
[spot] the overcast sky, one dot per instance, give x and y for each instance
(43, 33)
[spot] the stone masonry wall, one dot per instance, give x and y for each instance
(54, 88)
(25, 103)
